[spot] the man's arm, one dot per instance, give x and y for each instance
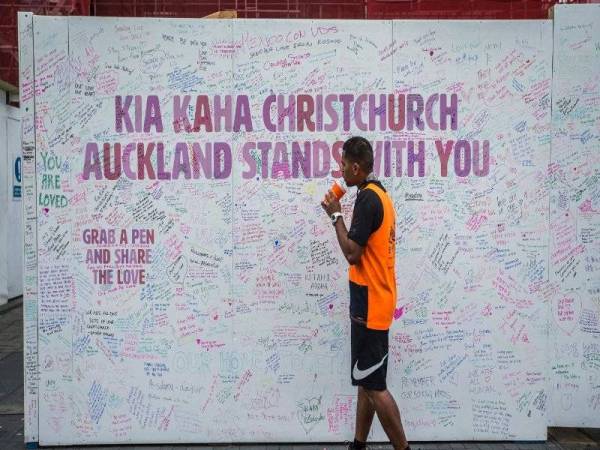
(351, 250)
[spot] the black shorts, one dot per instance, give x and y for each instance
(369, 357)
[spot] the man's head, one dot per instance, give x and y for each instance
(357, 160)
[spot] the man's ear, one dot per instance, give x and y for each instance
(355, 168)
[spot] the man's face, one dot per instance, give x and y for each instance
(350, 171)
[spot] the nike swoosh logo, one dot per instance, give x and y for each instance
(358, 374)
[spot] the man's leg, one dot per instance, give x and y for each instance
(389, 416)
(364, 415)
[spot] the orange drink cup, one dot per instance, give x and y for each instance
(337, 190)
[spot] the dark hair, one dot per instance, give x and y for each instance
(357, 149)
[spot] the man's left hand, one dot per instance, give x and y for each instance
(331, 204)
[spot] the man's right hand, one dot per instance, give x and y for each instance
(331, 204)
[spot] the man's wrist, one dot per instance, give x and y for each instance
(335, 217)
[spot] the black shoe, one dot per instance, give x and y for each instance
(354, 445)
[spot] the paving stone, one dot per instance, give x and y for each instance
(10, 426)
(570, 436)
(13, 403)
(11, 368)
(269, 446)
(593, 433)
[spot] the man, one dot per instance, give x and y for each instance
(370, 248)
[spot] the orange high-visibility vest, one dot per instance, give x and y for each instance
(376, 268)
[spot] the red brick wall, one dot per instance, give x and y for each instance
(9, 55)
(460, 9)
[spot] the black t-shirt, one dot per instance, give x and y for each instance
(367, 215)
